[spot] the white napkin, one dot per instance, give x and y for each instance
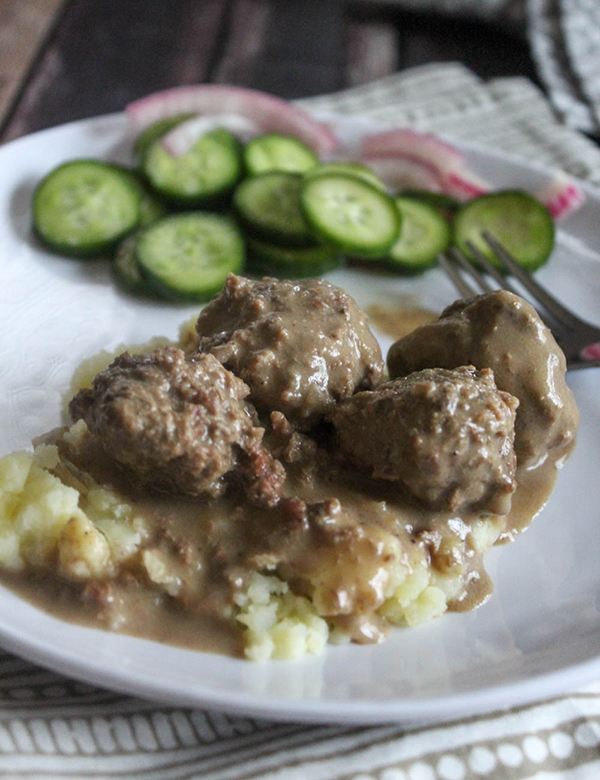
(506, 113)
(565, 44)
(52, 727)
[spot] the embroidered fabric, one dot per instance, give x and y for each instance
(564, 36)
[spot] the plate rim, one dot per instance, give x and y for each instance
(437, 709)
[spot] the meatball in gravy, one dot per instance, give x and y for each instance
(503, 332)
(366, 504)
(301, 346)
(447, 436)
(178, 424)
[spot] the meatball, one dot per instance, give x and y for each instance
(503, 332)
(447, 436)
(178, 424)
(300, 346)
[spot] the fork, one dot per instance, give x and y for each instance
(578, 339)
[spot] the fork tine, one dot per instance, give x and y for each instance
(463, 288)
(498, 276)
(459, 258)
(470, 269)
(552, 306)
(489, 268)
(574, 336)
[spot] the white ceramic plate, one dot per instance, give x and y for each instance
(538, 636)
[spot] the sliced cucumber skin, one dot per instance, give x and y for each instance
(126, 270)
(186, 257)
(55, 203)
(260, 269)
(423, 235)
(268, 207)
(205, 176)
(349, 168)
(274, 152)
(515, 218)
(151, 207)
(291, 263)
(445, 204)
(326, 201)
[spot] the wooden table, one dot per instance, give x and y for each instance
(67, 59)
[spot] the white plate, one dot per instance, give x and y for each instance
(539, 635)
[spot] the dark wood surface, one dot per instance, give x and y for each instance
(80, 58)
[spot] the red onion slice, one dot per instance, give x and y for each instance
(591, 352)
(269, 113)
(562, 196)
(400, 172)
(464, 184)
(445, 160)
(181, 139)
(419, 145)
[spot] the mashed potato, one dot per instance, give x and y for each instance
(90, 534)
(48, 525)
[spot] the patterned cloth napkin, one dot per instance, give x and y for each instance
(53, 727)
(565, 44)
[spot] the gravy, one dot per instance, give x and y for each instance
(191, 534)
(398, 321)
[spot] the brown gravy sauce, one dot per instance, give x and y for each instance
(213, 546)
(397, 321)
(226, 527)
(141, 613)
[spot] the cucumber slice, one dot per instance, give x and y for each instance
(297, 263)
(151, 208)
(515, 218)
(155, 131)
(268, 206)
(207, 173)
(423, 235)
(350, 168)
(447, 205)
(126, 269)
(350, 213)
(85, 207)
(187, 257)
(274, 152)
